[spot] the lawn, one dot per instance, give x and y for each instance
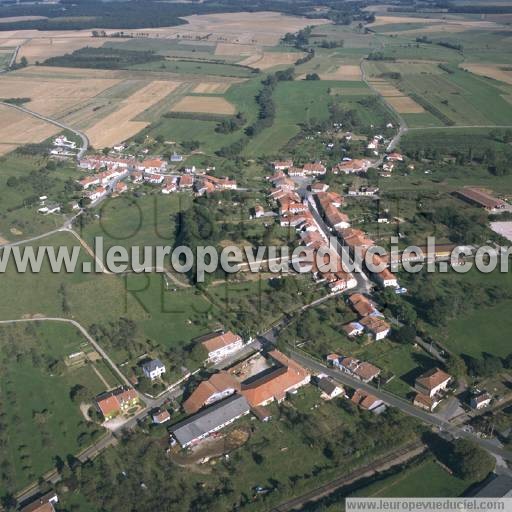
(40, 421)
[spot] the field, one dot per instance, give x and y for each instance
(206, 104)
(426, 479)
(121, 125)
(268, 60)
(497, 72)
(36, 401)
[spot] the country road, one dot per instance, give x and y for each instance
(399, 403)
(82, 135)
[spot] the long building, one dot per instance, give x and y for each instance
(209, 420)
(480, 198)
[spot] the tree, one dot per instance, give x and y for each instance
(312, 76)
(469, 461)
(405, 334)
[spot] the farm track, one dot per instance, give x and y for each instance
(78, 133)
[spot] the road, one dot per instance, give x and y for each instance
(403, 128)
(364, 285)
(82, 135)
(399, 403)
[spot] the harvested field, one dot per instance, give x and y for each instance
(211, 88)
(498, 72)
(13, 19)
(233, 49)
(386, 89)
(18, 128)
(204, 104)
(268, 60)
(52, 96)
(405, 105)
(42, 48)
(349, 72)
(119, 126)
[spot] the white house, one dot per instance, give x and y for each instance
(222, 345)
(153, 369)
(432, 382)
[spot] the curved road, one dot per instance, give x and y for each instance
(83, 137)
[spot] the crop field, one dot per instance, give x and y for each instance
(401, 103)
(494, 71)
(343, 72)
(36, 400)
(205, 104)
(267, 60)
(120, 125)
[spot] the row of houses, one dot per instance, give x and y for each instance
(371, 320)
(99, 162)
(362, 370)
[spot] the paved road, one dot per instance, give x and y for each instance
(399, 403)
(364, 285)
(78, 133)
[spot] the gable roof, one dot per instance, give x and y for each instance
(218, 341)
(433, 378)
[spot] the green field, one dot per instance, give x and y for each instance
(191, 67)
(424, 480)
(39, 420)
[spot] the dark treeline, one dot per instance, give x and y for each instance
(103, 58)
(88, 14)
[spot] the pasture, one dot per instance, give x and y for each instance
(36, 400)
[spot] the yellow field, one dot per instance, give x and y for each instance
(211, 88)
(119, 126)
(52, 96)
(386, 89)
(204, 104)
(228, 49)
(349, 72)
(18, 128)
(268, 60)
(405, 105)
(495, 71)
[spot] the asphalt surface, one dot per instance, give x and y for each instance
(401, 404)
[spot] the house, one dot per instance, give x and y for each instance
(169, 187)
(353, 329)
(282, 166)
(160, 416)
(212, 419)
(319, 187)
(432, 382)
(186, 181)
(351, 166)
(153, 369)
(376, 326)
(176, 158)
(366, 372)
(314, 169)
(425, 402)
(329, 388)
(137, 177)
(221, 345)
(49, 208)
(394, 157)
(154, 179)
(259, 211)
(496, 486)
(96, 194)
(285, 377)
(366, 400)
(89, 181)
(42, 504)
(219, 386)
(480, 401)
(120, 187)
(296, 172)
(386, 278)
(154, 165)
(262, 413)
(362, 305)
(117, 401)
